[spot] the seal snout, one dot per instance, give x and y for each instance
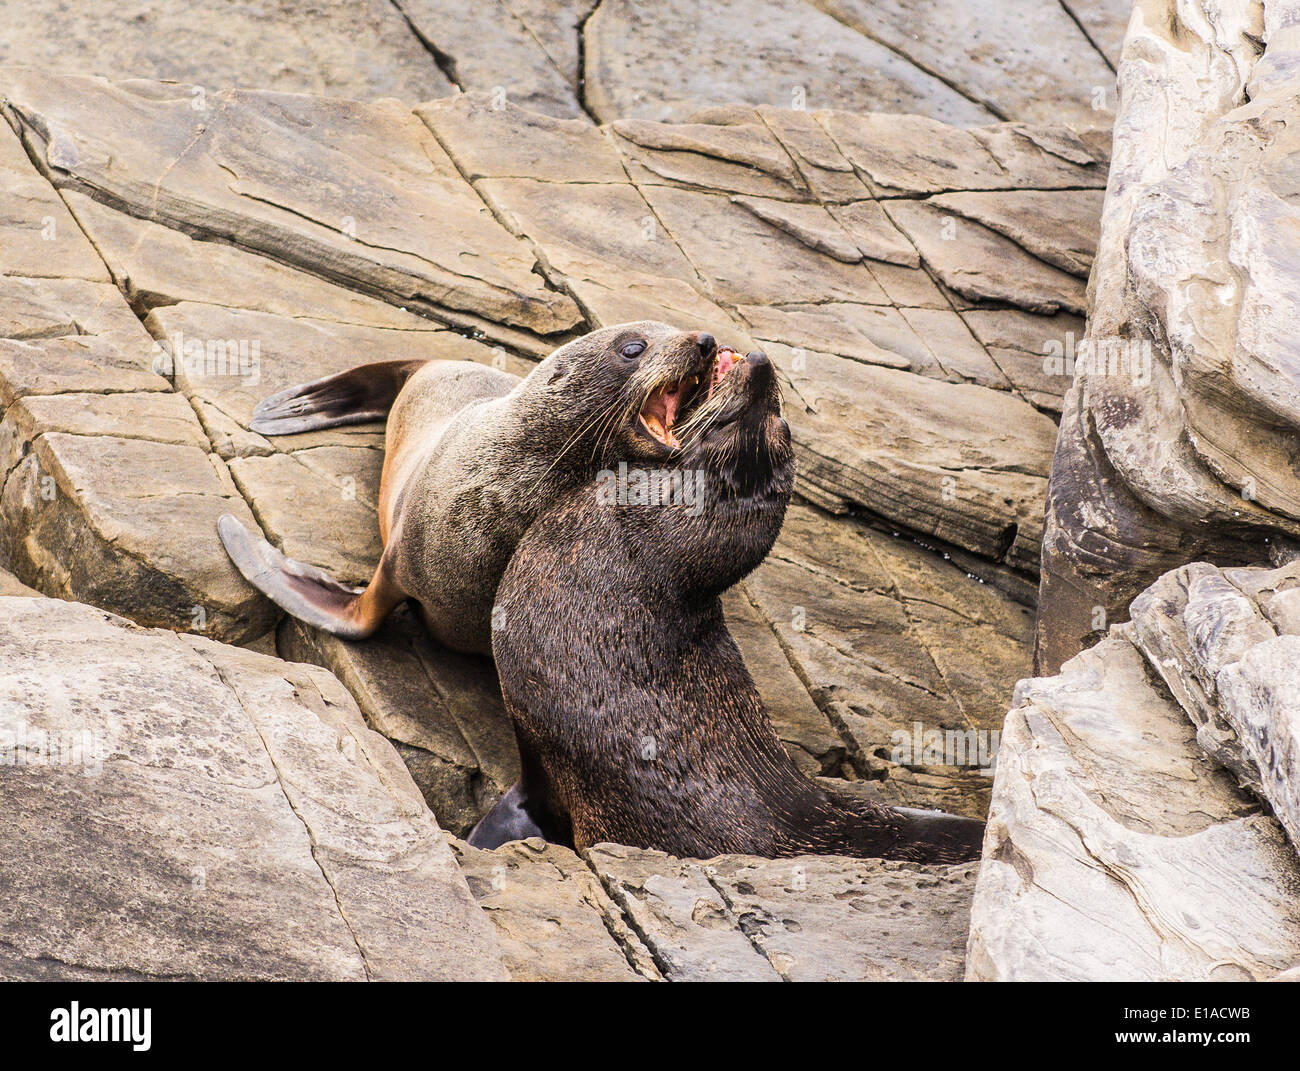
(683, 403)
(755, 372)
(761, 372)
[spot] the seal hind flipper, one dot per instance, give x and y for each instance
(305, 592)
(941, 837)
(508, 820)
(356, 396)
(528, 809)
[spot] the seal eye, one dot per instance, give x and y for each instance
(633, 350)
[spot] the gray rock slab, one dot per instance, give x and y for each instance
(183, 809)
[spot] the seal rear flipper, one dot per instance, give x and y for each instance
(938, 837)
(305, 592)
(356, 396)
(517, 816)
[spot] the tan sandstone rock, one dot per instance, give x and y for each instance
(553, 919)
(768, 46)
(812, 918)
(341, 47)
(108, 484)
(1227, 644)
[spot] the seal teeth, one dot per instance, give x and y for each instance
(659, 430)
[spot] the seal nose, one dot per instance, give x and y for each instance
(759, 371)
(706, 342)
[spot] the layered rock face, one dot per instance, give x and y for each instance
(178, 808)
(1226, 642)
(1179, 438)
(1144, 822)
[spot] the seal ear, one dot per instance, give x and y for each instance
(559, 372)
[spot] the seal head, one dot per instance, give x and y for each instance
(734, 446)
(629, 387)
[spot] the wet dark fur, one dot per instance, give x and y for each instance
(637, 720)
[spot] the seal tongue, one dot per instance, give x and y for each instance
(722, 365)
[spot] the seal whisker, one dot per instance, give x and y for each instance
(571, 441)
(610, 423)
(689, 429)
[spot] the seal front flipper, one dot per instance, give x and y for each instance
(518, 816)
(305, 592)
(356, 396)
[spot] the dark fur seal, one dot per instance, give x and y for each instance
(473, 455)
(637, 720)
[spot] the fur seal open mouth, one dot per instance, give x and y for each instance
(671, 404)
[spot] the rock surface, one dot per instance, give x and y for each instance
(1179, 437)
(613, 59)
(553, 919)
(783, 228)
(524, 51)
(620, 914)
(217, 814)
(11, 585)
(957, 62)
(108, 480)
(442, 711)
(891, 641)
(347, 48)
(808, 918)
(1227, 644)
(202, 273)
(697, 235)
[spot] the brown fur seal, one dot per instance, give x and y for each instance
(473, 455)
(636, 718)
